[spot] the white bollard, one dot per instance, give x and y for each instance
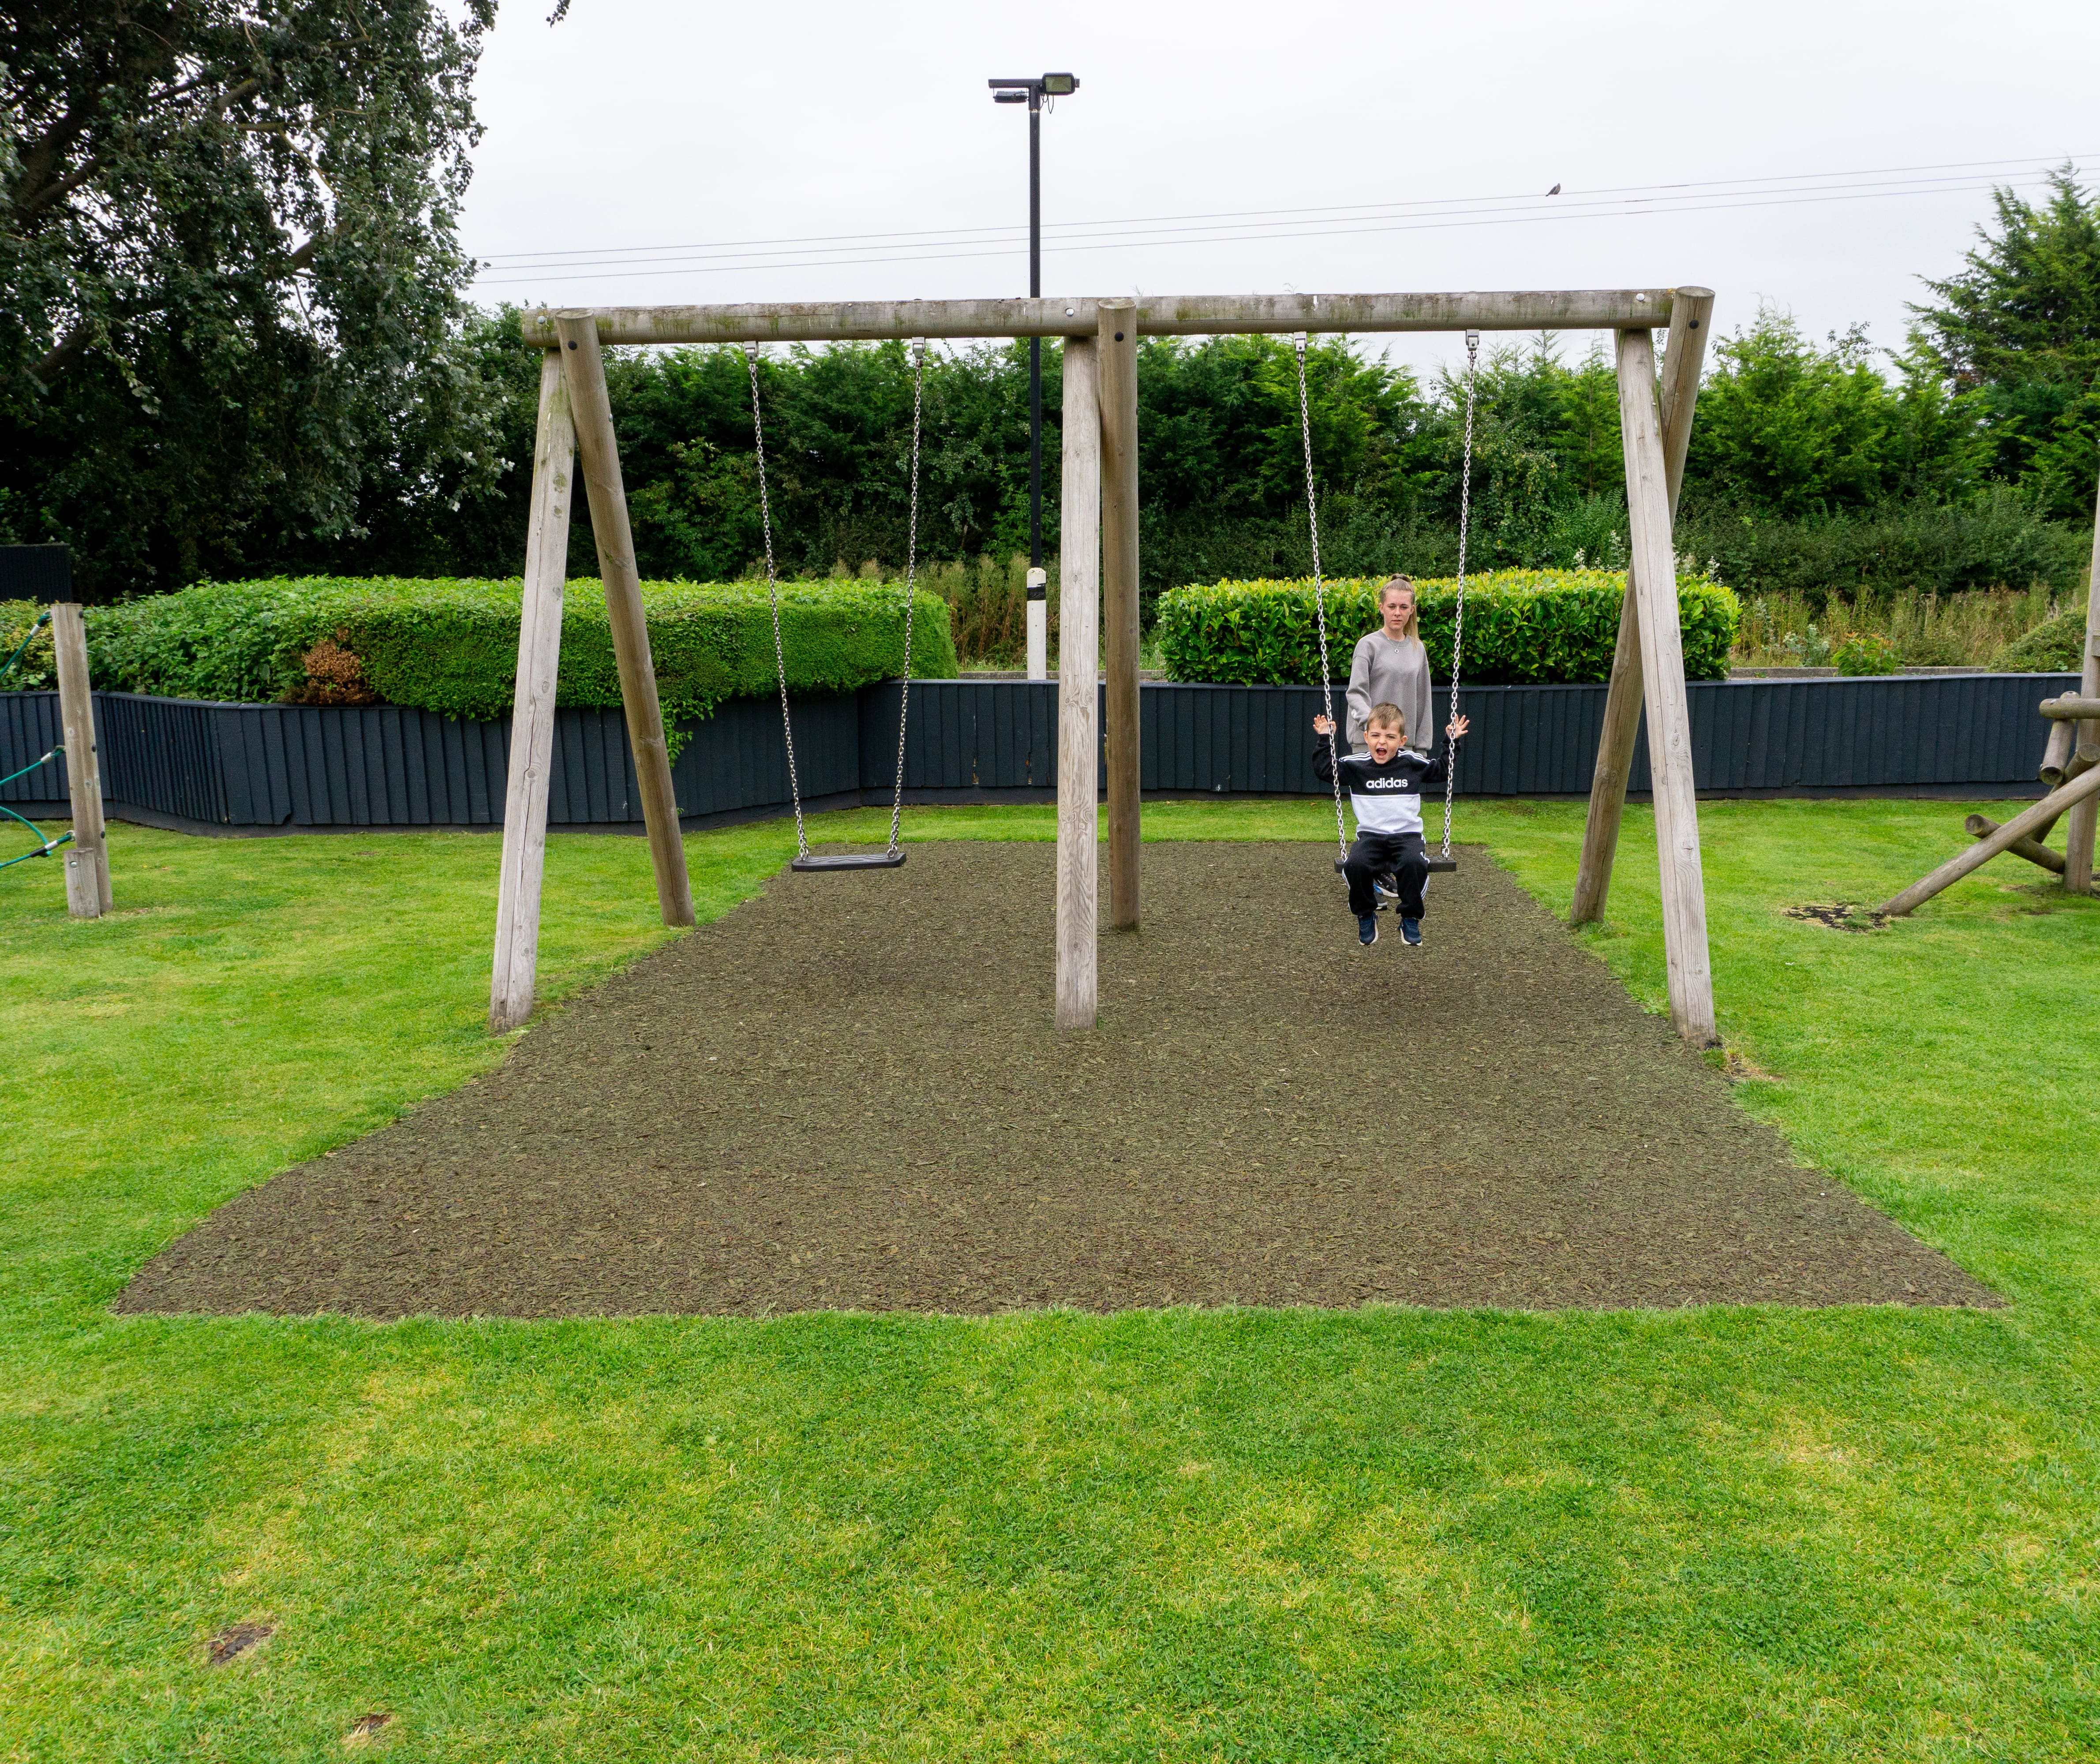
(1039, 625)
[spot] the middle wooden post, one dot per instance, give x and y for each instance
(1117, 345)
(1078, 684)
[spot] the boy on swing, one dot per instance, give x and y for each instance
(1384, 783)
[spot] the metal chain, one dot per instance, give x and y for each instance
(1320, 606)
(773, 594)
(1458, 622)
(911, 578)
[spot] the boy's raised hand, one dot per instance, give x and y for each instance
(1457, 726)
(1323, 726)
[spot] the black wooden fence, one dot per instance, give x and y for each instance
(257, 768)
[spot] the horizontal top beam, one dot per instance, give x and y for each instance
(1157, 315)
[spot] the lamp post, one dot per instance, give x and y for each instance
(1031, 92)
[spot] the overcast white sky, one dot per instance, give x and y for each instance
(658, 130)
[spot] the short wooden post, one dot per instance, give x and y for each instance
(2078, 828)
(591, 408)
(1117, 345)
(87, 858)
(1079, 665)
(1691, 319)
(1654, 567)
(532, 717)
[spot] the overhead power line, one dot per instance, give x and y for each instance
(1235, 227)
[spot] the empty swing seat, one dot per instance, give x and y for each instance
(881, 860)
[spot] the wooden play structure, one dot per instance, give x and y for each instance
(1101, 579)
(2070, 766)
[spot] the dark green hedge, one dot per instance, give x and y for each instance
(36, 669)
(1522, 627)
(452, 646)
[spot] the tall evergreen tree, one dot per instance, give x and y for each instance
(2018, 327)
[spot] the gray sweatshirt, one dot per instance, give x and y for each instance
(1384, 671)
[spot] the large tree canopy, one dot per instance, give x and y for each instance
(2017, 330)
(229, 275)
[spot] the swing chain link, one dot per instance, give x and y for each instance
(1320, 612)
(1459, 620)
(911, 580)
(773, 594)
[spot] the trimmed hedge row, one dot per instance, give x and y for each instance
(1523, 627)
(452, 646)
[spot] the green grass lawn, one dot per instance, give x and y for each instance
(1710, 1534)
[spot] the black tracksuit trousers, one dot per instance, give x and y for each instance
(1373, 855)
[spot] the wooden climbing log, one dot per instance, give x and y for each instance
(1983, 826)
(2056, 754)
(2071, 708)
(2022, 826)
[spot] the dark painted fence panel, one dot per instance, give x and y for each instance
(251, 766)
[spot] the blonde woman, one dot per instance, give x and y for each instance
(1391, 666)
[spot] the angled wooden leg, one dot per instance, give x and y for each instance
(1079, 667)
(591, 405)
(1691, 319)
(532, 717)
(1691, 980)
(1117, 356)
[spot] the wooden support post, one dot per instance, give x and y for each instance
(87, 858)
(532, 716)
(1079, 664)
(1691, 311)
(591, 408)
(2024, 825)
(1117, 346)
(2078, 832)
(1654, 574)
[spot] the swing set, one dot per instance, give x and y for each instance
(1100, 503)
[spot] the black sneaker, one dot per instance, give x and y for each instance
(1367, 930)
(1410, 932)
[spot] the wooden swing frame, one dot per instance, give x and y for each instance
(1099, 593)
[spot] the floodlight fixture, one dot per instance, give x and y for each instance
(1032, 93)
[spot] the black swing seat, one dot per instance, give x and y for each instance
(851, 860)
(1436, 865)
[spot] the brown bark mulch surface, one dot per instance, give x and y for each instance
(847, 1094)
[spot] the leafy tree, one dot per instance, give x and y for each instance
(2017, 331)
(1789, 428)
(229, 277)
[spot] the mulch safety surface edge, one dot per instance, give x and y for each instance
(845, 1094)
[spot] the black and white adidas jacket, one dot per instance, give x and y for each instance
(1387, 798)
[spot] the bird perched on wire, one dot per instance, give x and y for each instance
(1555, 190)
